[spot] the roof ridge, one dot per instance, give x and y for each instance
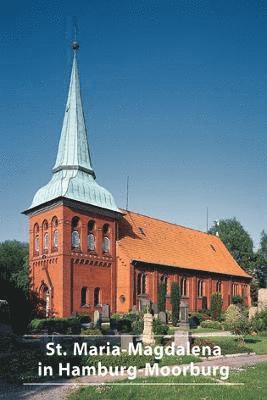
(168, 222)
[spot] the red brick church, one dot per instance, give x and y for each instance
(86, 252)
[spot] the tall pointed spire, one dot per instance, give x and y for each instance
(73, 149)
(73, 175)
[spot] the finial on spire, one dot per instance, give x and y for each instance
(75, 45)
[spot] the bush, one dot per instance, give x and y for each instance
(196, 318)
(232, 315)
(162, 297)
(175, 302)
(237, 299)
(59, 325)
(83, 318)
(159, 328)
(216, 306)
(124, 359)
(91, 332)
(241, 327)
(211, 324)
(138, 327)
(259, 322)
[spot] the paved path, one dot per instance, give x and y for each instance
(11, 392)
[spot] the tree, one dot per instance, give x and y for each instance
(237, 241)
(12, 261)
(216, 306)
(175, 302)
(162, 297)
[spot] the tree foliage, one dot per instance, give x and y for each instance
(14, 264)
(216, 306)
(175, 302)
(237, 241)
(162, 297)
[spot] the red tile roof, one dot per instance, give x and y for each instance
(151, 240)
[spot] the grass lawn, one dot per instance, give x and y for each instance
(172, 329)
(254, 388)
(257, 344)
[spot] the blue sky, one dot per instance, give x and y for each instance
(174, 95)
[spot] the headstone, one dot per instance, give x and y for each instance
(252, 311)
(155, 308)
(134, 310)
(262, 299)
(181, 338)
(148, 335)
(125, 341)
(96, 317)
(163, 317)
(105, 311)
(144, 304)
(184, 319)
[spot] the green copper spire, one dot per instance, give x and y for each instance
(73, 174)
(73, 150)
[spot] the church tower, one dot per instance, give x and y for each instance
(73, 224)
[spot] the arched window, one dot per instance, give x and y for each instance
(106, 244)
(184, 287)
(54, 234)
(106, 238)
(55, 239)
(45, 241)
(164, 281)
(218, 286)
(75, 233)
(200, 286)
(45, 296)
(36, 244)
(235, 289)
(36, 238)
(97, 296)
(141, 283)
(91, 236)
(45, 225)
(84, 296)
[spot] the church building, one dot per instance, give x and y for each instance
(85, 252)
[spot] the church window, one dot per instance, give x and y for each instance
(36, 243)
(75, 233)
(183, 287)
(97, 296)
(200, 287)
(219, 287)
(91, 236)
(141, 283)
(106, 244)
(55, 239)
(75, 239)
(84, 292)
(46, 241)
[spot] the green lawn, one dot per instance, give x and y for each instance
(257, 344)
(172, 329)
(254, 388)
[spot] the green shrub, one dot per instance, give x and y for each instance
(259, 322)
(162, 297)
(232, 315)
(59, 325)
(216, 306)
(211, 324)
(122, 360)
(83, 318)
(237, 299)
(196, 318)
(91, 332)
(159, 328)
(138, 327)
(175, 302)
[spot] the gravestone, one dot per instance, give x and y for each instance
(125, 341)
(262, 299)
(163, 317)
(184, 319)
(148, 335)
(155, 308)
(252, 312)
(182, 338)
(105, 311)
(96, 317)
(144, 304)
